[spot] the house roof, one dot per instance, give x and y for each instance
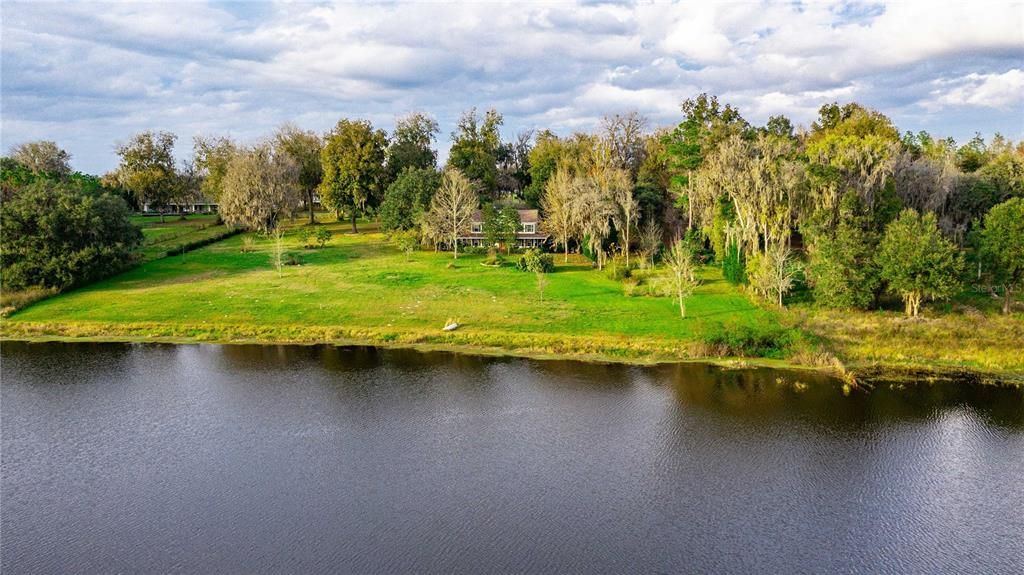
(525, 216)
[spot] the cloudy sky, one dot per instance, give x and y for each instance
(88, 75)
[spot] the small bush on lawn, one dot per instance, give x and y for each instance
(323, 235)
(536, 262)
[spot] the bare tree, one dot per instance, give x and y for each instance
(650, 241)
(277, 250)
(773, 273)
(682, 273)
(624, 134)
(561, 205)
(453, 206)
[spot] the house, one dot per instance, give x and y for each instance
(197, 205)
(530, 234)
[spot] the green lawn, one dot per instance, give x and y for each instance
(361, 288)
(159, 238)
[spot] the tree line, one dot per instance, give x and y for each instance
(848, 207)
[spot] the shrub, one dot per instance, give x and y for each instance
(761, 339)
(616, 268)
(248, 244)
(323, 235)
(493, 259)
(533, 260)
(305, 235)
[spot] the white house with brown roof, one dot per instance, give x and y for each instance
(530, 234)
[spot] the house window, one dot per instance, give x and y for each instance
(529, 228)
(477, 228)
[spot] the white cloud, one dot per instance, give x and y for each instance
(87, 75)
(981, 90)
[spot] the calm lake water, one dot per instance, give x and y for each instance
(242, 459)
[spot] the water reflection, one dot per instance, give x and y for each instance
(204, 458)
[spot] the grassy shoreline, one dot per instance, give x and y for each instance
(632, 352)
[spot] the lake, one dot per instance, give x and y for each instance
(244, 459)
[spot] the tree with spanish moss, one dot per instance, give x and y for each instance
(562, 208)
(261, 186)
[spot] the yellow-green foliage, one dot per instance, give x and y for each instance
(975, 341)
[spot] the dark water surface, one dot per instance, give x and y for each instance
(242, 459)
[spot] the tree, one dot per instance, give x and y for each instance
(452, 208)
(624, 134)
(843, 272)
(407, 198)
(277, 252)
(542, 283)
(773, 273)
(510, 225)
(682, 273)
(353, 168)
(561, 205)
(411, 145)
(917, 262)
(260, 187)
(323, 235)
(650, 241)
(147, 168)
(627, 209)
(212, 155)
(42, 157)
(705, 124)
(763, 184)
(490, 225)
(596, 209)
(474, 150)
(406, 242)
(1002, 243)
(304, 149)
(514, 164)
(543, 161)
(56, 235)
(850, 148)
(500, 226)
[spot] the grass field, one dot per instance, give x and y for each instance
(361, 288)
(160, 238)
